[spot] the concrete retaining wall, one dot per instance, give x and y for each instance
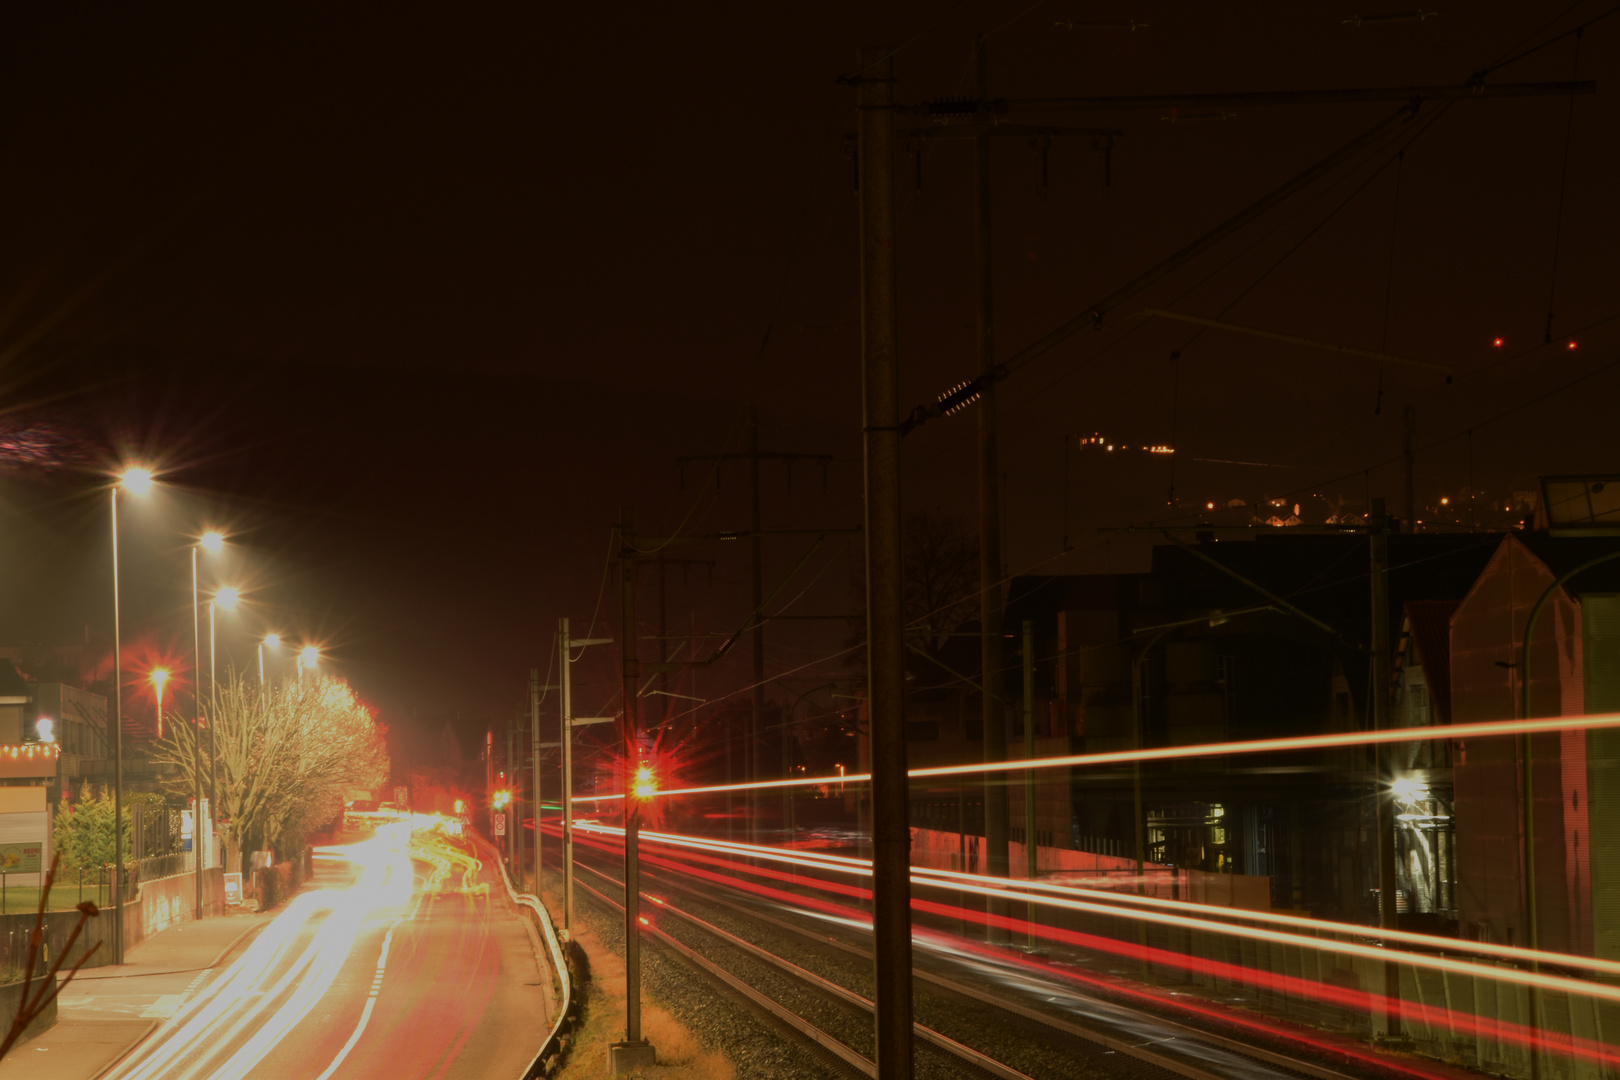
(157, 906)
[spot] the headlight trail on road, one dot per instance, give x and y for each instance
(188, 1045)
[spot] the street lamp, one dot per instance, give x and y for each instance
(213, 542)
(160, 678)
(136, 480)
(226, 596)
(308, 657)
(274, 642)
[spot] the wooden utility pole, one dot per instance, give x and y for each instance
(634, 1052)
(1388, 917)
(885, 619)
(991, 647)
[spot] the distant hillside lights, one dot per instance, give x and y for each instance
(1108, 447)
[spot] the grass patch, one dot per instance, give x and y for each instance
(17, 899)
(601, 1021)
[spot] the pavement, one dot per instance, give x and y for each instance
(106, 1011)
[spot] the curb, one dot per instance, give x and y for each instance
(179, 971)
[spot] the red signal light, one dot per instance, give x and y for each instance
(1496, 342)
(1571, 345)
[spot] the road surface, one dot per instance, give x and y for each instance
(404, 959)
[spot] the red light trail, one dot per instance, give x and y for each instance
(1435, 1016)
(1087, 901)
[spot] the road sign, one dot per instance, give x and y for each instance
(500, 824)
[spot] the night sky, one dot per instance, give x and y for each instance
(412, 298)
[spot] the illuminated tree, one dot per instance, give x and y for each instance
(286, 756)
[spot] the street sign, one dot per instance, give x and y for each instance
(500, 824)
(20, 858)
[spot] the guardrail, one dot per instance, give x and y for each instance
(553, 1044)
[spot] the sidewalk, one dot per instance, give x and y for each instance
(105, 1011)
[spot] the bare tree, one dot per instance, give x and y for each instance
(287, 754)
(940, 553)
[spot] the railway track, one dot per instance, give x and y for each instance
(806, 982)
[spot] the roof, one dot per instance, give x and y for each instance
(1562, 554)
(11, 683)
(1431, 631)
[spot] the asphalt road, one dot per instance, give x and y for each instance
(398, 962)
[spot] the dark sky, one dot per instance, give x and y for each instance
(414, 297)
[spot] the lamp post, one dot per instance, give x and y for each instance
(160, 678)
(225, 597)
(308, 657)
(274, 642)
(211, 541)
(137, 481)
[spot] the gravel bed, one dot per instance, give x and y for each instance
(755, 1045)
(1031, 1047)
(1025, 1045)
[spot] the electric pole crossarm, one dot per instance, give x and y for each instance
(755, 618)
(1470, 91)
(1024, 131)
(649, 544)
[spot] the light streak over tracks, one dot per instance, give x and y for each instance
(1483, 729)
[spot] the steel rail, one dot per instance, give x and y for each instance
(770, 1007)
(1066, 1027)
(825, 986)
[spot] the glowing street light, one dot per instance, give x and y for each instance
(137, 480)
(45, 728)
(308, 657)
(272, 641)
(212, 542)
(228, 597)
(160, 678)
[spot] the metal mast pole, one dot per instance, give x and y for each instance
(534, 765)
(213, 721)
(196, 734)
(634, 1052)
(513, 792)
(1388, 917)
(885, 619)
(118, 755)
(757, 712)
(1030, 839)
(991, 646)
(566, 736)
